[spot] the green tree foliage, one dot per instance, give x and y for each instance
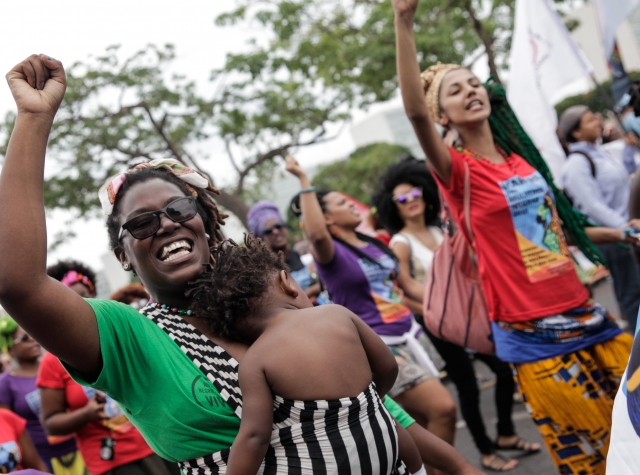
(593, 99)
(119, 112)
(315, 62)
(358, 176)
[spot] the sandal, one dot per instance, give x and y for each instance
(499, 463)
(520, 444)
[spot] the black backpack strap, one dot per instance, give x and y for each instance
(591, 163)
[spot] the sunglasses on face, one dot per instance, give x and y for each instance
(147, 224)
(276, 227)
(22, 339)
(414, 194)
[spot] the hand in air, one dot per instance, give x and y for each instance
(293, 167)
(405, 7)
(37, 84)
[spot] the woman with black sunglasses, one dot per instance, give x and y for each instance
(185, 407)
(174, 379)
(265, 221)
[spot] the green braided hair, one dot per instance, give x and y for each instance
(509, 135)
(8, 327)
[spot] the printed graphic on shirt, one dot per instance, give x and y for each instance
(9, 457)
(535, 219)
(117, 421)
(384, 290)
(33, 400)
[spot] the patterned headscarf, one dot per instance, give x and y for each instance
(431, 81)
(109, 190)
(8, 327)
(259, 214)
(74, 277)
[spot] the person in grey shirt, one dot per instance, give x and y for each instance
(599, 186)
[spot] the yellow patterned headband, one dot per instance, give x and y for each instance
(431, 81)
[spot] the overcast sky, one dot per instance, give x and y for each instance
(74, 30)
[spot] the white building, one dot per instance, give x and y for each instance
(390, 126)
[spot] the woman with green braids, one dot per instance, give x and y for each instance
(567, 352)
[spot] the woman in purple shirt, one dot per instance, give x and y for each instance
(19, 394)
(359, 272)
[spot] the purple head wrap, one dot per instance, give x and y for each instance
(259, 214)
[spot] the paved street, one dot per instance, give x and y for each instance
(538, 464)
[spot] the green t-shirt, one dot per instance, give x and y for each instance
(398, 413)
(176, 408)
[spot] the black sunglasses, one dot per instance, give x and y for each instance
(276, 227)
(147, 224)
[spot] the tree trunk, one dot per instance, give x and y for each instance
(485, 38)
(234, 205)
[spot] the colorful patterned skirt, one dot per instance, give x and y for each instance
(570, 399)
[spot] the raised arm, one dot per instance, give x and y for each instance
(313, 217)
(251, 443)
(412, 94)
(50, 312)
(382, 362)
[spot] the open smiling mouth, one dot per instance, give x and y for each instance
(475, 103)
(175, 250)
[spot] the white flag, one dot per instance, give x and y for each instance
(610, 14)
(543, 59)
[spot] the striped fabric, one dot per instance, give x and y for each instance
(215, 363)
(345, 436)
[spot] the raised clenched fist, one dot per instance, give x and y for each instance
(37, 84)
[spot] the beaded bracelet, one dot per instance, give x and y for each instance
(307, 190)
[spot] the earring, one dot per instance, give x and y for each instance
(208, 237)
(125, 266)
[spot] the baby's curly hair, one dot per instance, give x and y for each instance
(233, 288)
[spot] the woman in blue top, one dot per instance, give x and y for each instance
(599, 185)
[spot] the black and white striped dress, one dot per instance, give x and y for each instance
(344, 436)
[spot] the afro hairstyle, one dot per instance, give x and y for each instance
(414, 172)
(62, 268)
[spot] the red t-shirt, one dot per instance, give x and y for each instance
(129, 443)
(11, 429)
(523, 259)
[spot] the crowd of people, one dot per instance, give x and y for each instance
(317, 358)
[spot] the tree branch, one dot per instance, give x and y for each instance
(170, 145)
(484, 37)
(227, 145)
